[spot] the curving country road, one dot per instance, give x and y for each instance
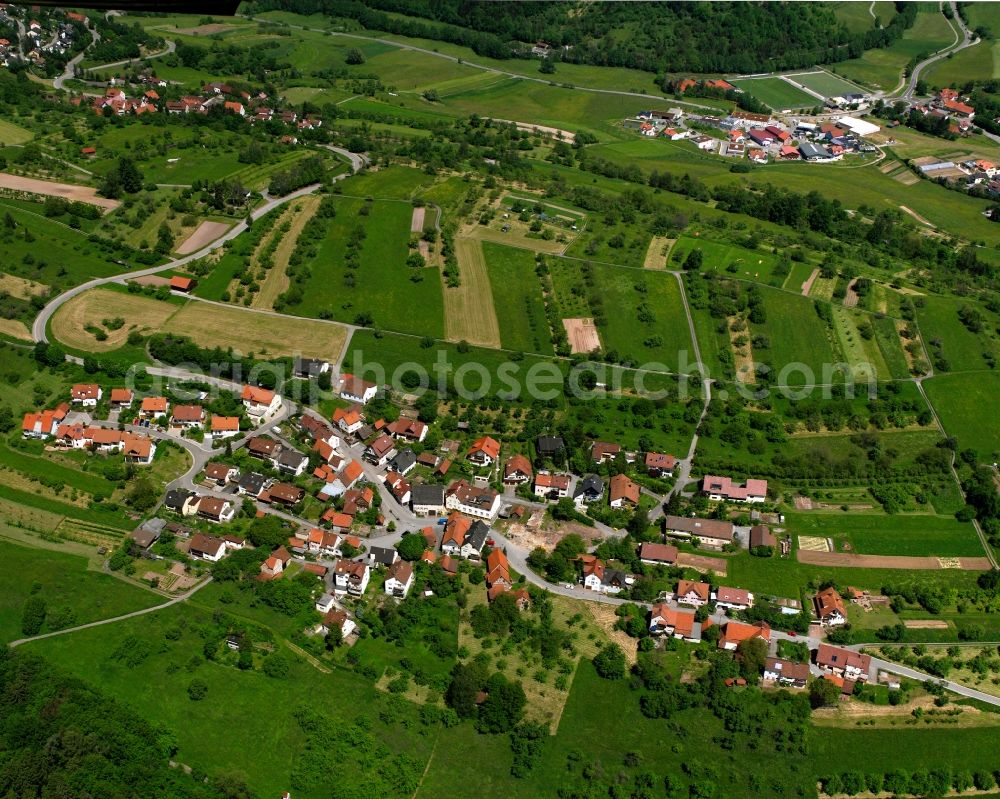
(38, 328)
(963, 38)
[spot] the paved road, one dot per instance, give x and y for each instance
(182, 598)
(69, 72)
(358, 160)
(42, 320)
(963, 38)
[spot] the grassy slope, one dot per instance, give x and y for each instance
(969, 406)
(245, 724)
(65, 582)
(517, 299)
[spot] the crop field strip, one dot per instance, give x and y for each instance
(469, 309)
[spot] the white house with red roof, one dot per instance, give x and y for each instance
(354, 389)
(724, 489)
(86, 394)
(733, 598)
(260, 402)
(484, 451)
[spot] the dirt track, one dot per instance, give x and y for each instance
(848, 559)
(469, 311)
(68, 191)
(417, 220)
(582, 334)
(807, 286)
(204, 234)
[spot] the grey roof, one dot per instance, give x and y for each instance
(613, 577)
(252, 482)
(309, 367)
(477, 535)
(810, 150)
(144, 538)
(385, 556)
(591, 484)
(404, 461)
(550, 445)
(291, 458)
(427, 494)
(176, 498)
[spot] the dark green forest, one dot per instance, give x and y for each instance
(60, 738)
(656, 37)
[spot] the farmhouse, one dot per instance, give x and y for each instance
(785, 672)
(724, 489)
(658, 554)
(598, 577)
(382, 556)
(483, 503)
(694, 593)
(623, 492)
(403, 462)
(263, 447)
(665, 620)
(207, 547)
(427, 499)
(830, 608)
(659, 464)
(733, 598)
(251, 484)
(85, 394)
(187, 416)
(484, 451)
(350, 577)
(153, 407)
(497, 569)
(354, 389)
(291, 462)
(138, 449)
(225, 426)
(735, 632)
(260, 402)
(400, 579)
(455, 530)
(843, 662)
(517, 470)
(552, 486)
(711, 533)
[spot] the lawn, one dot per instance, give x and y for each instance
(824, 82)
(643, 311)
(962, 349)
(395, 183)
(395, 296)
(73, 594)
(969, 406)
(880, 534)
(246, 723)
(13, 134)
(517, 298)
(787, 577)
(777, 93)
(800, 348)
(882, 68)
(753, 265)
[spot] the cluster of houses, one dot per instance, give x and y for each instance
(252, 107)
(948, 104)
(72, 429)
(53, 37)
(759, 137)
